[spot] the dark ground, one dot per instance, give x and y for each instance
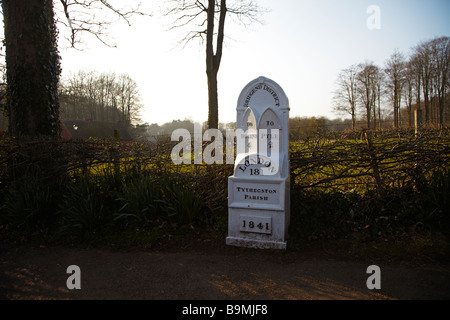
(210, 271)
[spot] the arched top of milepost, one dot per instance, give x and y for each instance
(262, 92)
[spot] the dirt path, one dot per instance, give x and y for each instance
(221, 273)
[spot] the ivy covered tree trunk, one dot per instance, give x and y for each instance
(32, 68)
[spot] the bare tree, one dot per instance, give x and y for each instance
(369, 89)
(379, 80)
(78, 18)
(431, 60)
(100, 97)
(424, 62)
(394, 69)
(440, 50)
(127, 93)
(205, 20)
(416, 68)
(410, 84)
(345, 95)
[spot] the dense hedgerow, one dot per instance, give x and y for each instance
(382, 185)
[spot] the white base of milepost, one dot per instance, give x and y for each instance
(255, 244)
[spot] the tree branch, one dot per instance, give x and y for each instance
(195, 13)
(87, 16)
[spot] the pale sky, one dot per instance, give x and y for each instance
(302, 45)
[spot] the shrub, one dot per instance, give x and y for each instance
(82, 213)
(28, 209)
(182, 204)
(438, 194)
(140, 200)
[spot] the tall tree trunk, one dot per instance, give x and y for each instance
(418, 93)
(374, 106)
(213, 100)
(409, 98)
(353, 115)
(368, 108)
(213, 60)
(368, 118)
(395, 108)
(32, 68)
(426, 98)
(441, 111)
(379, 106)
